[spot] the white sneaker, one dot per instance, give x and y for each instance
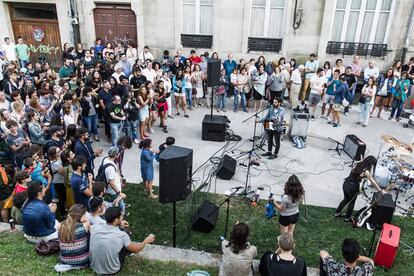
(151, 131)
(136, 141)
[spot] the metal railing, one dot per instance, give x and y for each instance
(355, 48)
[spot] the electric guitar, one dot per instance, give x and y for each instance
(360, 220)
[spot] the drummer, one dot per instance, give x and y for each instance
(351, 186)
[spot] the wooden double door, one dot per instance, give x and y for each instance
(115, 23)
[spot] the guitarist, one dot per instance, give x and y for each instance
(275, 115)
(351, 185)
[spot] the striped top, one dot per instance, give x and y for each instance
(75, 252)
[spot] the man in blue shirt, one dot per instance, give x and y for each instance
(275, 117)
(80, 183)
(330, 95)
(229, 66)
(340, 92)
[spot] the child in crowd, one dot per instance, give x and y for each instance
(40, 172)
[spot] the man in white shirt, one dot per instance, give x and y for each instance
(113, 177)
(310, 69)
(295, 85)
(9, 49)
(118, 72)
(145, 55)
(149, 73)
(371, 71)
(316, 85)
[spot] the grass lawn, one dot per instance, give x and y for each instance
(317, 228)
(18, 257)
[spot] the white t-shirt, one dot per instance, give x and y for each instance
(317, 84)
(9, 51)
(149, 74)
(112, 173)
(116, 76)
(296, 77)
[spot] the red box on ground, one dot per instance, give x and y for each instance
(387, 245)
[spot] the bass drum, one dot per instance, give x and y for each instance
(382, 176)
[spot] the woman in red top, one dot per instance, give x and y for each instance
(21, 178)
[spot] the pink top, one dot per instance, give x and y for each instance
(20, 188)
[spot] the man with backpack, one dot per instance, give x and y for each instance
(109, 173)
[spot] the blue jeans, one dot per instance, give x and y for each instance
(115, 131)
(132, 129)
(189, 96)
(221, 101)
(397, 106)
(121, 202)
(235, 99)
(23, 63)
(90, 123)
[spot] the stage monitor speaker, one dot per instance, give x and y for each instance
(214, 128)
(176, 165)
(387, 246)
(213, 72)
(204, 220)
(354, 147)
(226, 168)
(383, 211)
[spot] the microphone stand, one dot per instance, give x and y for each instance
(227, 200)
(256, 115)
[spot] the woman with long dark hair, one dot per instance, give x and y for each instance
(289, 205)
(238, 254)
(73, 238)
(361, 170)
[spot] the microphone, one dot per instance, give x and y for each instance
(237, 188)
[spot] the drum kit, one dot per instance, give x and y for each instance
(395, 165)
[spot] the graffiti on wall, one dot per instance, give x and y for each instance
(122, 40)
(43, 49)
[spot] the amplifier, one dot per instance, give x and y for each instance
(214, 128)
(387, 246)
(354, 147)
(383, 211)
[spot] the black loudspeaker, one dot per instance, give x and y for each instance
(214, 128)
(227, 167)
(213, 72)
(176, 165)
(354, 147)
(383, 211)
(205, 218)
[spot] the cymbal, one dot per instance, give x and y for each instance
(403, 149)
(406, 159)
(388, 139)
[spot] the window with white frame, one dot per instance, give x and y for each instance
(361, 21)
(197, 17)
(267, 18)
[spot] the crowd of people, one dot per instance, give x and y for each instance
(49, 119)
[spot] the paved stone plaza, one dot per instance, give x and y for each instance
(321, 171)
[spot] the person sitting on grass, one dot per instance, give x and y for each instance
(350, 252)
(282, 261)
(238, 254)
(96, 210)
(73, 238)
(16, 211)
(109, 246)
(39, 220)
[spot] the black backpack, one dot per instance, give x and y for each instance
(101, 172)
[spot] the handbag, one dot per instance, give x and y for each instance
(220, 90)
(345, 102)
(8, 203)
(47, 248)
(383, 91)
(362, 99)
